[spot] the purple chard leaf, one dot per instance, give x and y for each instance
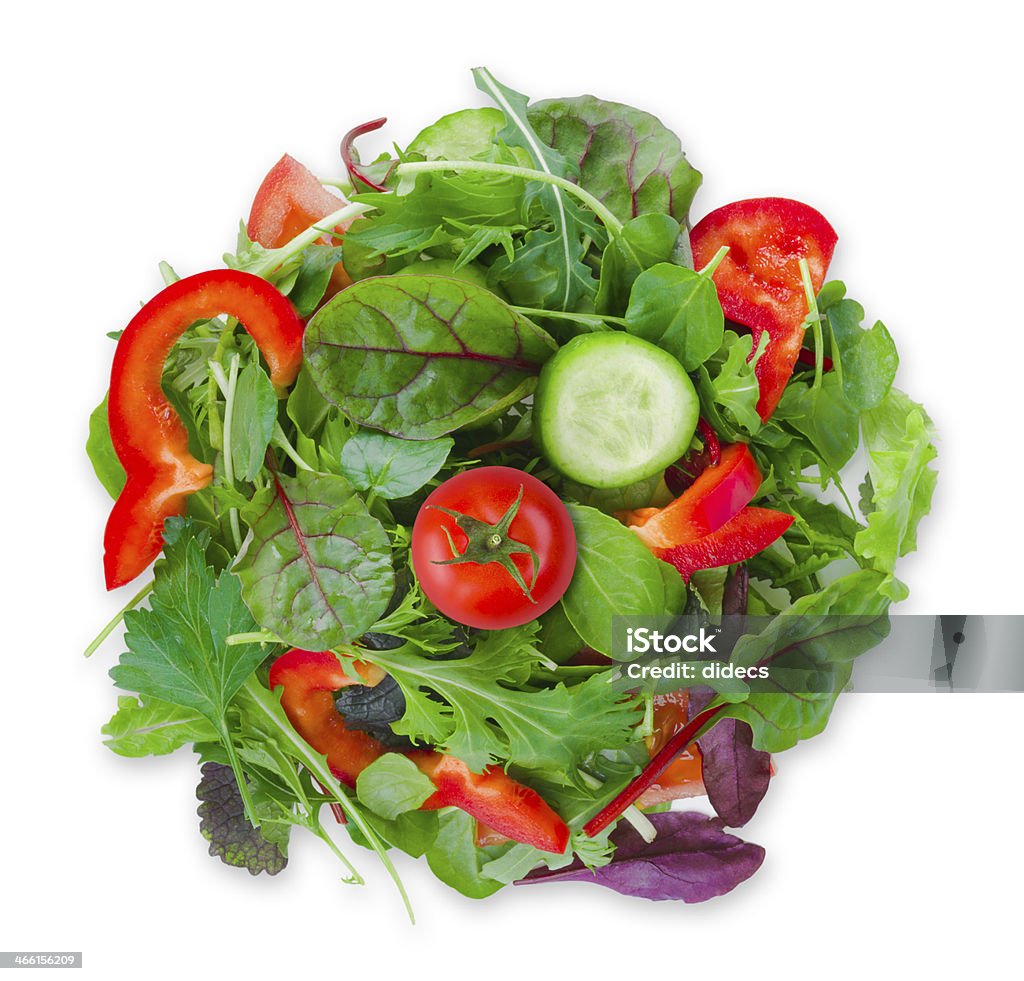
(692, 859)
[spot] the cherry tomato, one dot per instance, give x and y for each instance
(505, 525)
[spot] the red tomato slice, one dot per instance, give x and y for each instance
(289, 200)
(759, 282)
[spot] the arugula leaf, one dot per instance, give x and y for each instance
(643, 242)
(392, 785)
(152, 727)
(437, 210)
(548, 272)
(100, 449)
(460, 135)
(420, 356)
(867, 359)
(254, 413)
(615, 576)
(898, 435)
(486, 716)
(677, 309)
(317, 571)
(390, 467)
(177, 650)
(729, 397)
(625, 156)
(224, 825)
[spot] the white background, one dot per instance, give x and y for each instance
(139, 133)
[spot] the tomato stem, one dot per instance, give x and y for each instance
(490, 543)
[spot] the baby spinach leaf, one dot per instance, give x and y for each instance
(420, 356)
(317, 571)
(551, 259)
(454, 858)
(644, 242)
(152, 727)
(312, 277)
(254, 413)
(626, 157)
(390, 467)
(677, 309)
(899, 438)
(825, 416)
(460, 135)
(867, 358)
(615, 576)
(100, 449)
(392, 785)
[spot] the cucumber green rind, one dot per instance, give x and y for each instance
(612, 409)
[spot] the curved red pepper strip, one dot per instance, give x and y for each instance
(309, 680)
(718, 494)
(740, 538)
(150, 440)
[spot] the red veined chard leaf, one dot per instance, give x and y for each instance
(318, 570)
(421, 356)
(626, 157)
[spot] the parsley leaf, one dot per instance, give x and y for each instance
(177, 649)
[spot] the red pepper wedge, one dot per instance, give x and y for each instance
(309, 680)
(758, 281)
(150, 440)
(288, 201)
(718, 494)
(741, 538)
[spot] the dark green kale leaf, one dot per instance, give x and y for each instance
(224, 825)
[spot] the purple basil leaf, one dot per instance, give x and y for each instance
(692, 859)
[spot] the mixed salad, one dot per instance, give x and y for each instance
(399, 465)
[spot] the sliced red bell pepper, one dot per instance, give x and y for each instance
(708, 503)
(309, 680)
(289, 201)
(150, 440)
(741, 538)
(758, 281)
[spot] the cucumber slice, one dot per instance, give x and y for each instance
(612, 409)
